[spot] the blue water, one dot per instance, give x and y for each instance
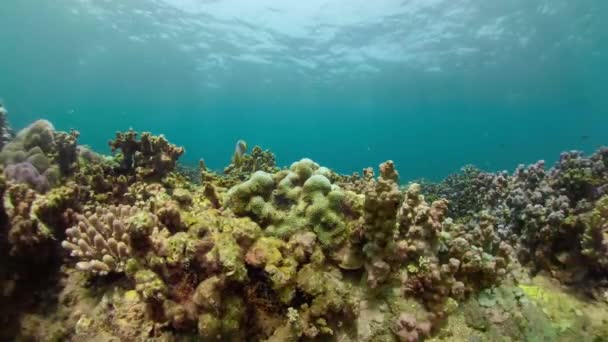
(432, 85)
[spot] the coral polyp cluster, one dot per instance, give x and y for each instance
(101, 240)
(131, 248)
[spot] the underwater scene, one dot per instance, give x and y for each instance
(319, 170)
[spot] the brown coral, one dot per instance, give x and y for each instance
(408, 329)
(150, 156)
(28, 236)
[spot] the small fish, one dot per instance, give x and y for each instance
(585, 137)
(239, 152)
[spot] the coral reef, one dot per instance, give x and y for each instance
(543, 213)
(135, 251)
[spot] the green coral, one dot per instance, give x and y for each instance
(140, 227)
(179, 249)
(208, 294)
(222, 315)
(229, 257)
(272, 255)
(150, 286)
(209, 326)
(331, 295)
(301, 199)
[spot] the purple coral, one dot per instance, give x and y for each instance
(26, 173)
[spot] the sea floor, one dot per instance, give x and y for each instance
(73, 308)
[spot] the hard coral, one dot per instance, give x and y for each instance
(103, 240)
(39, 147)
(380, 208)
(408, 329)
(35, 220)
(66, 150)
(447, 261)
(149, 157)
(594, 242)
(293, 201)
(420, 224)
(245, 165)
(26, 173)
(272, 256)
(28, 236)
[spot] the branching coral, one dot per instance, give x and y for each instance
(581, 178)
(101, 240)
(380, 208)
(36, 219)
(420, 224)
(382, 198)
(27, 233)
(594, 242)
(66, 150)
(447, 261)
(150, 156)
